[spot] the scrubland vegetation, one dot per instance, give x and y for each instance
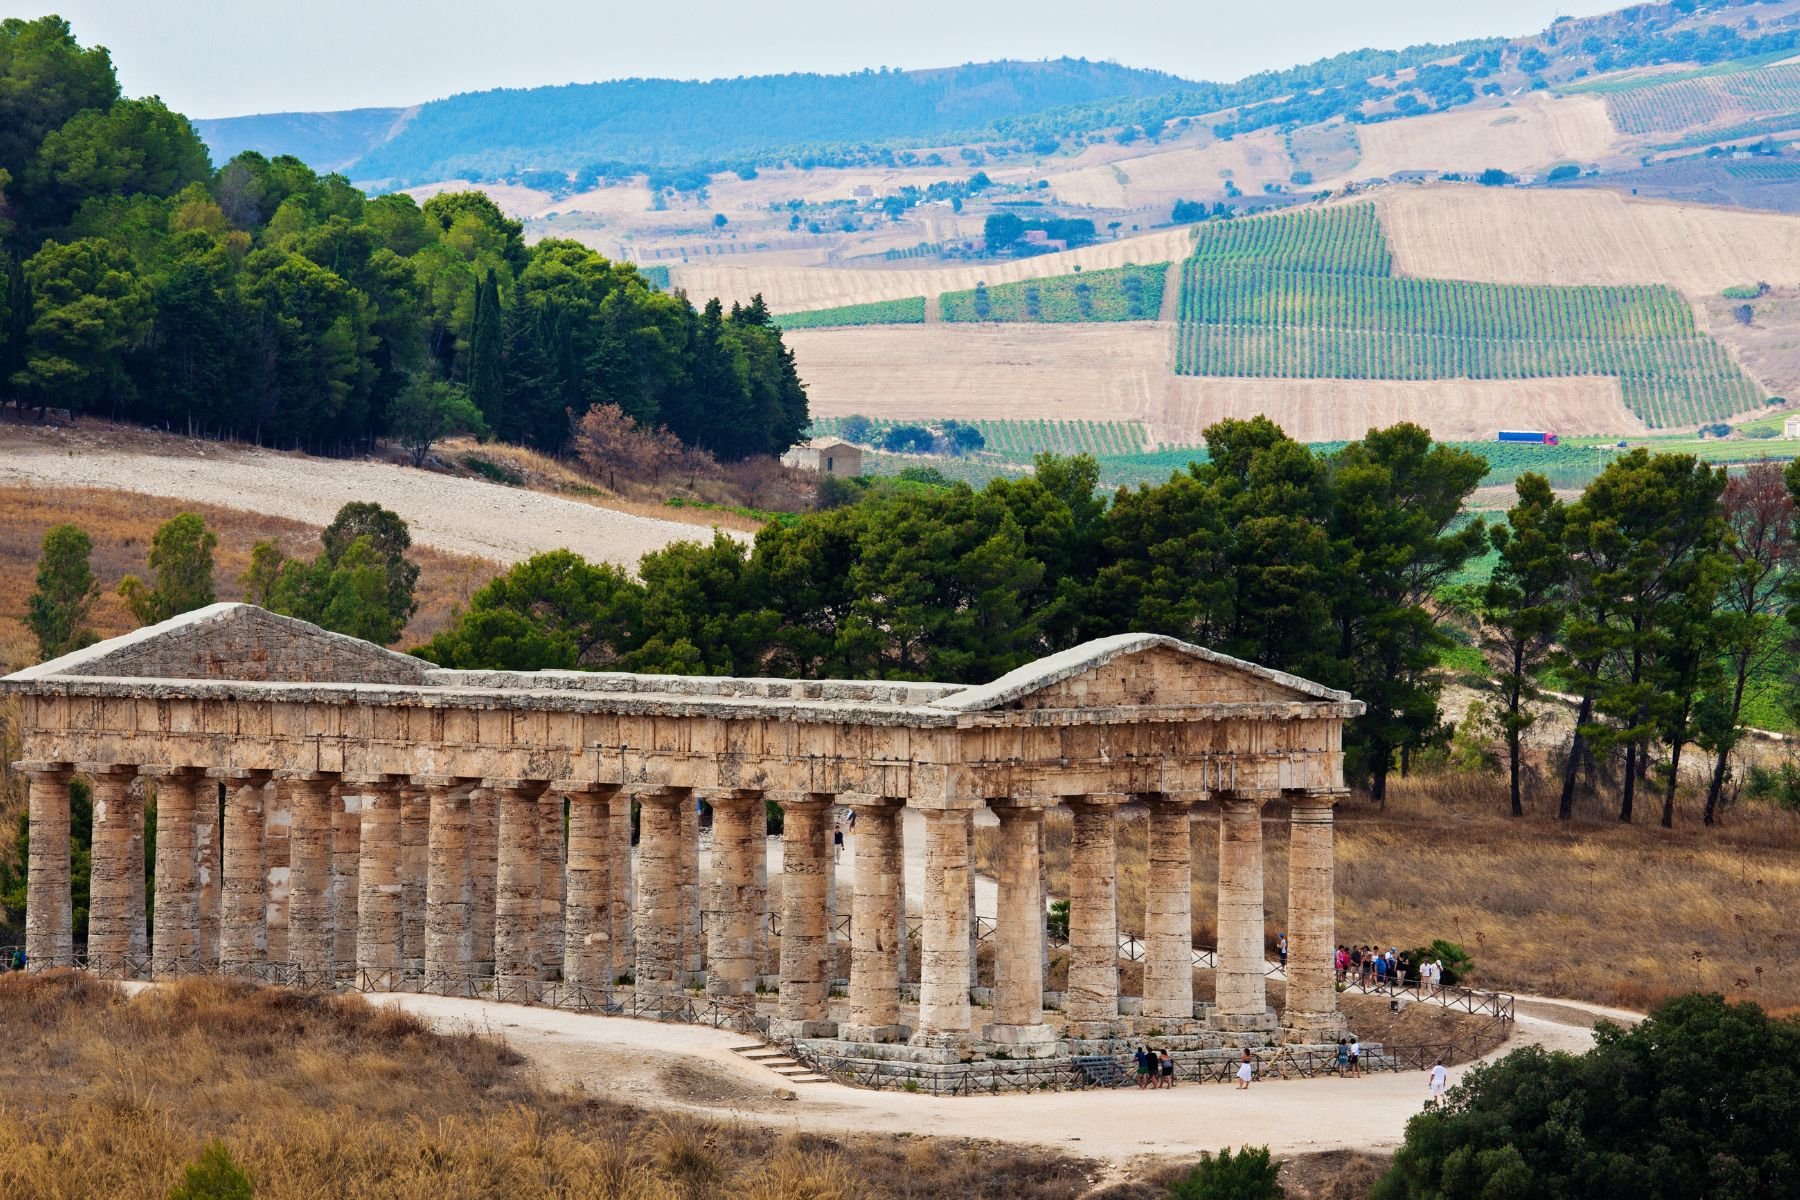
(315, 1095)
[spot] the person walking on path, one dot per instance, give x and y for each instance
(1343, 1059)
(1355, 1058)
(1168, 1069)
(1143, 1067)
(837, 840)
(1281, 949)
(1440, 1081)
(1246, 1070)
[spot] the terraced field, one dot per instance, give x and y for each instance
(1312, 295)
(910, 311)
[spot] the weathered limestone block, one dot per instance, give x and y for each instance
(660, 918)
(1242, 1003)
(110, 888)
(1311, 1015)
(693, 945)
(944, 969)
(484, 857)
(876, 929)
(1091, 1001)
(731, 934)
(518, 884)
(243, 886)
(1168, 916)
(1019, 955)
(552, 883)
(801, 1008)
(379, 917)
(346, 839)
(447, 966)
(278, 828)
(415, 866)
(588, 921)
(208, 869)
(176, 937)
(310, 942)
(624, 890)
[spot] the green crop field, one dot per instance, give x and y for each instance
(1743, 131)
(1116, 294)
(1019, 441)
(1311, 295)
(910, 311)
(656, 277)
(1768, 171)
(1672, 104)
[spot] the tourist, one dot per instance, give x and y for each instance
(1368, 968)
(1429, 975)
(1440, 1080)
(1355, 1057)
(1381, 966)
(1343, 1058)
(837, 840)
(850, 821)
(1281, 949)
(1246, 1070)
(1168, 1069)
(1401, 969)
(1144, 1060)
(1343, 963)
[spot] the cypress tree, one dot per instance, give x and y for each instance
(487, 368)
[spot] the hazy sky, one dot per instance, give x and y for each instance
(213, 58)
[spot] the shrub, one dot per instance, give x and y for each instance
(1563, 171)
(1247, 1175)
(1777, 785)
(908, 439)
(1455, 960)
(215, 1176)
(1494, 177)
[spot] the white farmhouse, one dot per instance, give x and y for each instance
(826, 455)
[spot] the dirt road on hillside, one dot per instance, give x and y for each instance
(463, 516)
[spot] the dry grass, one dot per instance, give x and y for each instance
(1592, 910)
(328, 1096)
(122, 524)
(1531, 133)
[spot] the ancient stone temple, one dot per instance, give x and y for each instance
(328, 811)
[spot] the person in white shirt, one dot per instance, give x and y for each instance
(1440, 1080)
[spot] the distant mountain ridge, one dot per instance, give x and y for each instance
(673, 123)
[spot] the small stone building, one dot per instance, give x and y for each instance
(826, 455)
(1790, 428)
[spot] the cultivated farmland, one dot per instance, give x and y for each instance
(1121, 294)
(1508, 235)
(910, 311)
(1660, 106)
(1021, 441)
(1323, 303)
(1534, 132)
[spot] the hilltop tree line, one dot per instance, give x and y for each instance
(267, 302)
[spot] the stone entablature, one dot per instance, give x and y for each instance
(343, 759)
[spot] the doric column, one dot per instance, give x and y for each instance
(624, 893)
(587, 963)
(278, 828)
(346, 853)
(552, 885)
(1091, 1003)
(875, 929)
(176, 936)
(310, 942)
(518, 888)
(1018, 934)
(415, 866)
(379, 918)
(484, 857)
(802, 1007)
(902, 938)
(974, 913)
(1169, 913)
(731, 932)
(1311, 1015)
(208, 867)
(110, 890)
(49, 902)
(139, 908)
(447, 966)
(759, 903)
(944, 969)
(660, 917)
(243, 882)
(693, 946)
(1242, 1004)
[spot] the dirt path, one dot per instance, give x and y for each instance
(693, 1069)
(463, 516)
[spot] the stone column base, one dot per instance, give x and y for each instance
(786, 1028)
(956, 1039)
(1143, 1026)
(874, 1034)
(1263, 1022)
(1319, 1029)
(1094, 1030)
(1025, 1041)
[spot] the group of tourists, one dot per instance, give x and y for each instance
(1156, 1069)
(1373, 970)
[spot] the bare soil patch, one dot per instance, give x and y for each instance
(1534, 132)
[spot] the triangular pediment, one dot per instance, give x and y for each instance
(237, 642)
(1137, 670)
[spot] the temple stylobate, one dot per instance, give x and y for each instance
(343, 812)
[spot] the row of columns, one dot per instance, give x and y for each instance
(397, 875)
